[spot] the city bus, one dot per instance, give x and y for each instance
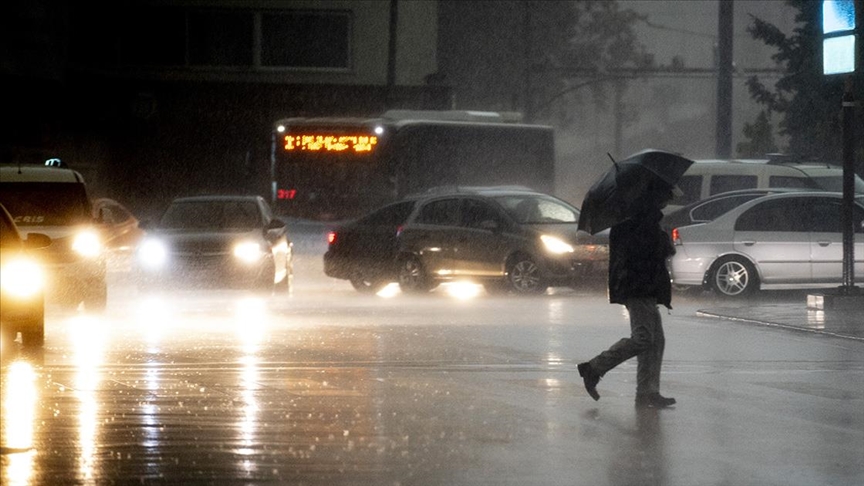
(340, 168)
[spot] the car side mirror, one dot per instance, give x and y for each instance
(35, 241)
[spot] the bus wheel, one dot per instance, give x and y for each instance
(367, 286)
(524, 276)
(413, 277)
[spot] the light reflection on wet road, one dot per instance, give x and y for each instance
(330, 387)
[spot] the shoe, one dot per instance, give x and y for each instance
(590, 378)
(654, 400)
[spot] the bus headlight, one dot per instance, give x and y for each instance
(22, 278)
(556, 245)
(248, 251)
(87, 244)
(152, 253)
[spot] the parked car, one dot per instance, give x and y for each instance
(508, 239)
(706, 178)
(789, 240)
(22, 299)
(221, 241)
(714, 206)
(120, 228)
(53, 201)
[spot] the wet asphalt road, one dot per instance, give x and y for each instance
(328, 387)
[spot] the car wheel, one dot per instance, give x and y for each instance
(733, 277)
(524, 276)
(96, 296)
(367, 286)
(412, 276)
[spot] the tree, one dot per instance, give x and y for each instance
(808, 103)
(761, 138)
(535, 56)
(593, 43)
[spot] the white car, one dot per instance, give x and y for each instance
(779, 241)
(53, 201)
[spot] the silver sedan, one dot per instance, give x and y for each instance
(778, 241)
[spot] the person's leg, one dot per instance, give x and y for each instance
(649, 361)
(639, 341)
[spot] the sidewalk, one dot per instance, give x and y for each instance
(842, 323)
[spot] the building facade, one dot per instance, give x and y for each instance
(154, 99)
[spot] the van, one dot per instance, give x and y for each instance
(708, 177)
(53, 201)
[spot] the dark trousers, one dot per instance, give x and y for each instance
(646, 342)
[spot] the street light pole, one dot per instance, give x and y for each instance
(724, 80)
(848, 188)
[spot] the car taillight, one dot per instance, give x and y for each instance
(331, 237)
(676, 237)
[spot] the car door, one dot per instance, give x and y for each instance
(774, 234)
(431, 236)
(481, 242)
(372, 241)
(826, 240)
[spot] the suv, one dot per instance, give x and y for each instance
(509, 239)
(53, 201)
(706, 178)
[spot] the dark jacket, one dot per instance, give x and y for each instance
(638, 249)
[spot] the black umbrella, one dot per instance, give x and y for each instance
(624, 188)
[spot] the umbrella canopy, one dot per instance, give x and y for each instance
(626, 187)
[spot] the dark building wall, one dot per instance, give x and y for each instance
(142, 134)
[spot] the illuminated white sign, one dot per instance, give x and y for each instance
(839, 41)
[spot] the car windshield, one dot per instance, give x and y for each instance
(530, 209)
(46, 203)
(210, 215)
(713, 209)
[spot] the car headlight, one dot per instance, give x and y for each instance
(152, 253)
(556, 245)
(248, 251)
(87, 244)
(22, 278)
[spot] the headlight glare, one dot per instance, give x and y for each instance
(152, 253)
(248, 251)
(87, 244)
(556, 245)
(22, 278)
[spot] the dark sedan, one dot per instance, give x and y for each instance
(508, 239)
(221, 241)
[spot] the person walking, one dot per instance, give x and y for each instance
(638, 279)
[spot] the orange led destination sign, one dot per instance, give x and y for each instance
(315, 142)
